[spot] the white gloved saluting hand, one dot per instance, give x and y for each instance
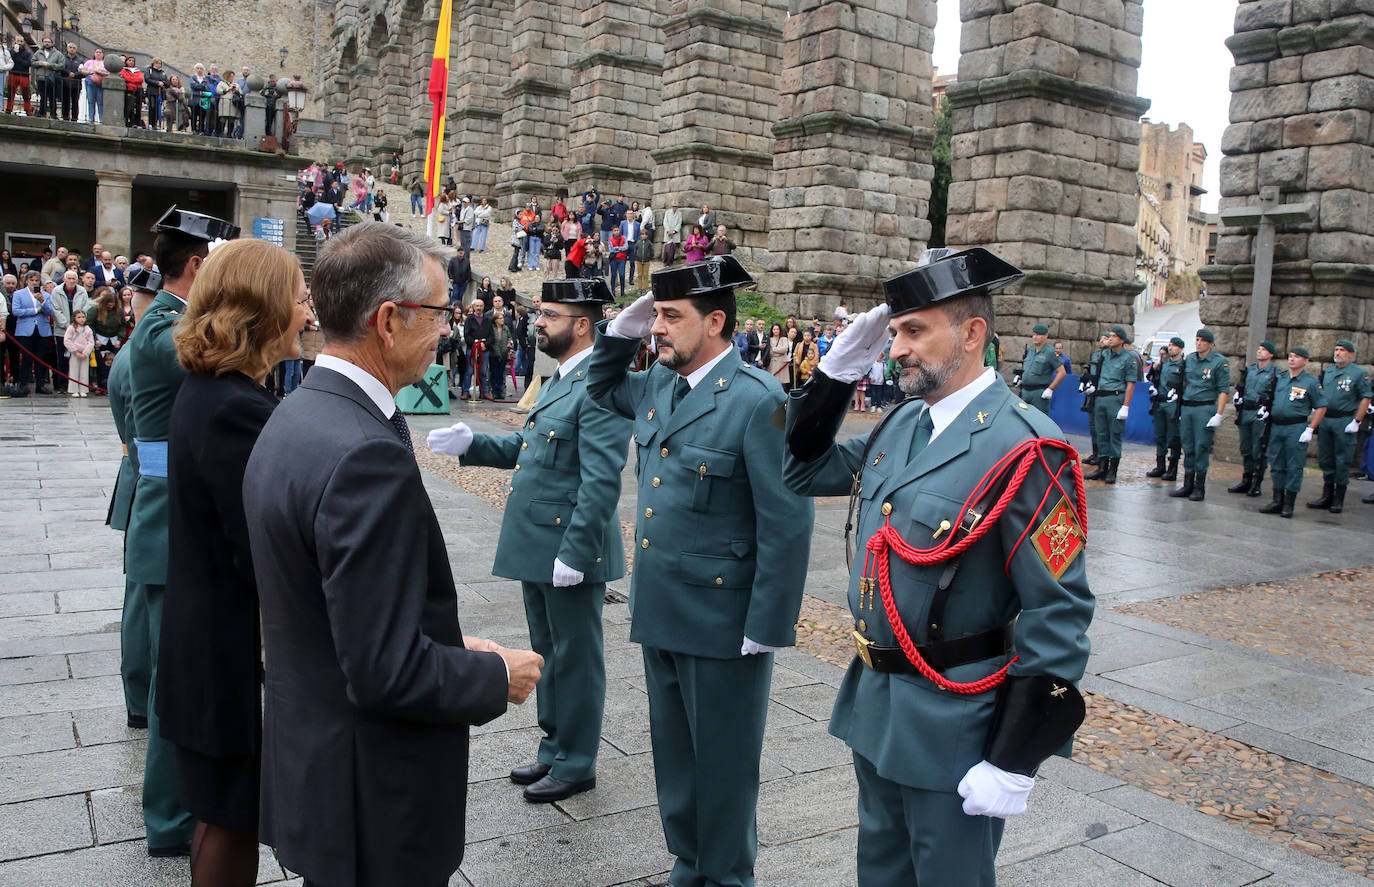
(452, 441)
(565, 576)
(852, 353)
(1215, 421)
(1123, 412)
(988, 790)
(635, 321)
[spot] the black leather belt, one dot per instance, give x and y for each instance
(1034, 387)
(1336, 414)
(1247, 407)
(1298, 421)
(941, 655)
(1199, 403)
(1108, 393)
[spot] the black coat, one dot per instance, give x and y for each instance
(209, 673)
(369, 691)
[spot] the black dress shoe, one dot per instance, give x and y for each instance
(529, 774)
(549, 789)
(170, 851)
(138, 722)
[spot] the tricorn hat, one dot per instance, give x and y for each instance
(582, 289)
(142, 279)
(717, 275)
(969, 273)
(197, 225)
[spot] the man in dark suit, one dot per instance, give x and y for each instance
(370, 684)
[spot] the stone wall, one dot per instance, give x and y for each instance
(479, 69)
(1046, 148)
(534, 126)
(1302, 119)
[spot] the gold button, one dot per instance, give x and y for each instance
(720, 581)
(644, 543)
(648, 512)
(551, 434)
(524, 446)
(510, 489)
(663, 452)
(887, 508)
(517, 467)
(656, 481)
(863, 626)
(598, 560)
(531, 424)
(558, 520)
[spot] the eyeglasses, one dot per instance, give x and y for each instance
(544, 312)
(308, 301)
(441, 316)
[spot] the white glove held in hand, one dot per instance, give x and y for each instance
(1090, 389)
(852, 353)
(452, 441)
(1016, 381)
(1215, 421)
(635, 321)
(1047, 394)
(1153, 391)
(749, 648)
(1262, 413)
(1353, 427)
(1173, 395)
(1306, 435)
(565, 576)
(992, 791)
(1239, 399)
(1123, 412)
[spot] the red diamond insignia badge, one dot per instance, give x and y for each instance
(1059, 539)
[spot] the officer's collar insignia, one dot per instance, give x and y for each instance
(578, 374)
(720, 383)
(1059, 540)
(982, 417)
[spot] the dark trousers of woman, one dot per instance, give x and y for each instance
(133, 105)
(496, 373)
(514, 265)
(570, 270)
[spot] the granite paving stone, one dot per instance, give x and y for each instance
(46, 825)
(1172, 859)
(58, 695)
(23, 734)
(33, 669)
(66, 771)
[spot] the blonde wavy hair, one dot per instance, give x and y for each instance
(240, 306)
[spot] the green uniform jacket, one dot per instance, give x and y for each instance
(121, 501)
(1296, 398)
(1038, 366)
(721, 546)
(563, 495)
(1257, 382)
(1170, 372)
(1345, 388)
(155, 376)
(915, 733)
(1206, 378)
(1118, 370)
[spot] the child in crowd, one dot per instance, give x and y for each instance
(80, 342)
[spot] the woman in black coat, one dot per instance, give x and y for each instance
(245, 314)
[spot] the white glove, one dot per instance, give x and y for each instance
(1154, 392)
(1090, 389)
(1262, 413)
(1173, 395)
(1123, 412)
(452, 441)
(1047, 394)
(1306, 435)
(565, 576)
(635, 321)
(749, 648)
(1082, 387)
(852, 353)
(1353, 427)
(1016, 381)
(992, 791)
(1215, 421)
(218, 241)
(1238, 399)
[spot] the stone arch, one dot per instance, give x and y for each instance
(339, 101)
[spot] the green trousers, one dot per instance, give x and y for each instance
(1197, 437)
(1092, 421)
(1335, 449)
(135, 652)
(1031, 394)
(1287, 456)
(167, 823)
(565, 628)
(706, 719)
(1166, 429)
(1251, 433)
(921, 838)
(1109, 427)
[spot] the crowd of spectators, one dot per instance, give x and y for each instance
(790, 351)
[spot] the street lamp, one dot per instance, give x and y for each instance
(295, 104)
(283, 57)
(74, 21)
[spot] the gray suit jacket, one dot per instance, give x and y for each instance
(369, 691)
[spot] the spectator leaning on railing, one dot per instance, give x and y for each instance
(21, 62)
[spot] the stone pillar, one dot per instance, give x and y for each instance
(254, 119)
(1046, 149)
(114, 193)
(1302, 119)
(722, 62)
(112, 100)
(479, 69)
(615, 99)
(268, 201)
(534, 127)
(851, 164)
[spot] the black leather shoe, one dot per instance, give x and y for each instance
(549, 789)
(138, 722)
(529, 774)
(170, 851)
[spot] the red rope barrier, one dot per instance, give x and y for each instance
(1025, 457)
(54, 370)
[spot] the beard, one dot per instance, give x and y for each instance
(555, 345)
(675, 359)
(928, 378)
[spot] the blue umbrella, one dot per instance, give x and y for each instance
(321, 211)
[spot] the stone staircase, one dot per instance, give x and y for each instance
(306, 248)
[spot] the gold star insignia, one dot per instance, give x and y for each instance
(720, 383)
(982, 417)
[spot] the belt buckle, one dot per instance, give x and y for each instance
(862, 644)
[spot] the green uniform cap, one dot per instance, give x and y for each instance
(1040, 330)
(1346, 344)
(1206, 335)
(1178, 340)
(1269, 346)
(1300, 351)
(1122, 333)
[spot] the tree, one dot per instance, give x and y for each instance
(939, 184)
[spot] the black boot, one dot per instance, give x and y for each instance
(1256, 484)
(1290, 500)
(1158, 470)
(1093, 459)
(1199, 487)
(1338, 500)
(1275, 506)
(1171, 473)
(1112, 465)
(1101, 471)
(1244, 486)
(1186, 490)
(1328, 489)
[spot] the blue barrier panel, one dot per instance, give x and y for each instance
(1066, 409)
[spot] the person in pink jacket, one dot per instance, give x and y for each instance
(695, 247)
(80, 342)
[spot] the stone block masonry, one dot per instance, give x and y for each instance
(534, 125)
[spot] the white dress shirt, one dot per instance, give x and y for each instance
(949, 408)
(369, 383)
(570, 363)
(705, 369)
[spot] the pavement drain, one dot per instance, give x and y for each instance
(1326, 618)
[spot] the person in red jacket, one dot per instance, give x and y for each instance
(133, 95)
(572, 265)
(619, 250)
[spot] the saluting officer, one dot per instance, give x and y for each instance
(1347, 390)
(155, 377)
(722, 548)
(560, 535)
(1087, 386)
(1164, 409)
(1299, 406)
(1255, 384)
(946, 727)
(1041, 370)
(1121, 370)
(1206, 388)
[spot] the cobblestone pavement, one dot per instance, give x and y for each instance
(1186, 706)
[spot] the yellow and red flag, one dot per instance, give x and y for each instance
(438, 95)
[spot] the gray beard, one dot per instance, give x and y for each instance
(925, 381)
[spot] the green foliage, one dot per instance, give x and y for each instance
(749, 303)
(939, 185)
